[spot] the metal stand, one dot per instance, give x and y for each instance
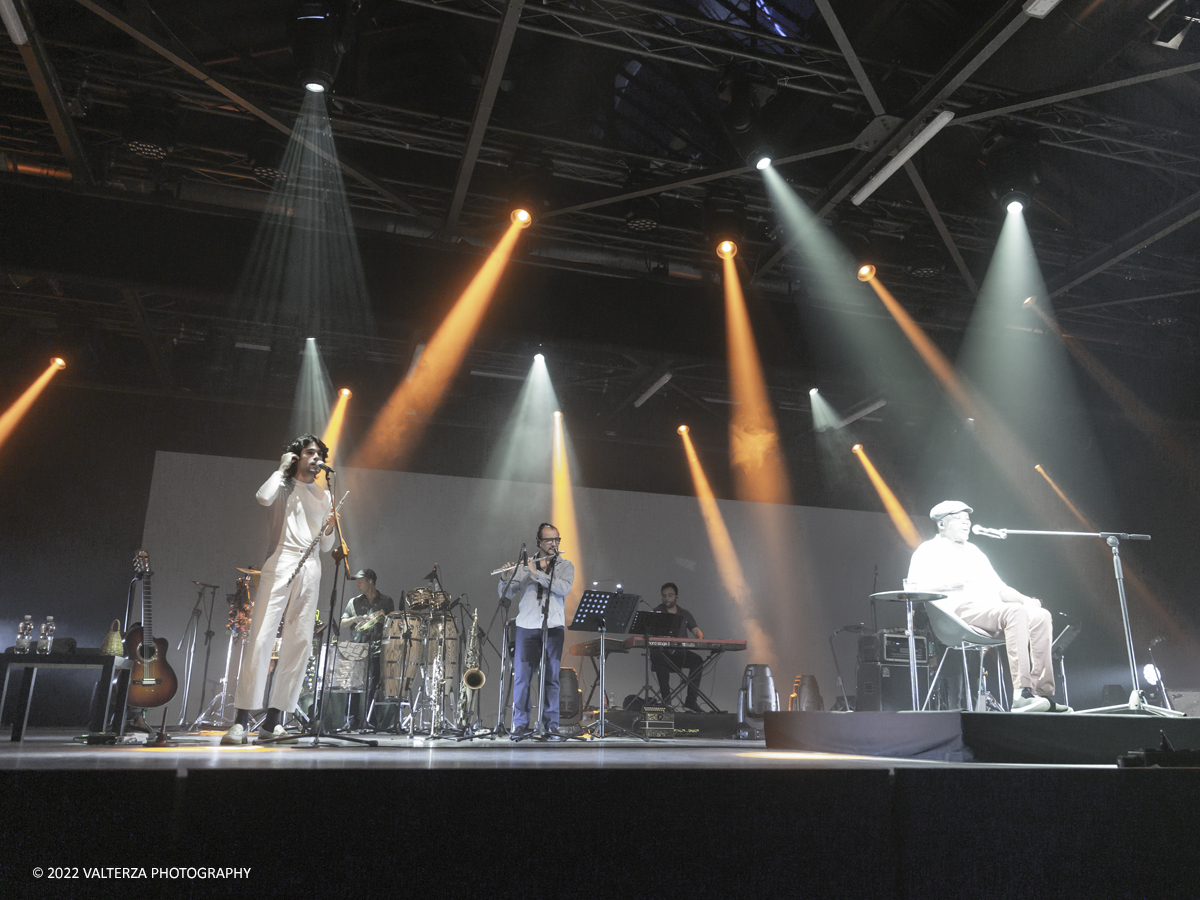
(316, 723)
(595, 610)
(908, 598)
(1137, 704)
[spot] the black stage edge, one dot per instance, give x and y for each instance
(902, 832)
(954, 736)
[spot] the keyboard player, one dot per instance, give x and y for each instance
(661, 660)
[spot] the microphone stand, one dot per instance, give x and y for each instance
(837, 668)
(1137, 699)
(539, 730)
(317, 722)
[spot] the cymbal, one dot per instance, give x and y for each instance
(249, 571)
(902, 596)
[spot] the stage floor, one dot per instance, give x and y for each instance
(57, 749)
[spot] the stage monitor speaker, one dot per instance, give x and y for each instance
(887, 686)
(1185, 701)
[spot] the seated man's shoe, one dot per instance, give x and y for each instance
(1027, 701)
(1058, 707)
(235, 735)
(692, 706)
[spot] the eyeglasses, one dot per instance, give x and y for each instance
(556, 540)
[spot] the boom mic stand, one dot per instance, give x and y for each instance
(316, 723)
(1137, 699)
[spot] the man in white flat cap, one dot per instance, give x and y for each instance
(948, 564)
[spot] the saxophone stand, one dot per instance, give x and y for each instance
(596, 609)
(1137, 704)
(316, 723)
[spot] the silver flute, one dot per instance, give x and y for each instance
(512, 566)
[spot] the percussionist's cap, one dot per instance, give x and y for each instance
(948, 507)
(366, 573)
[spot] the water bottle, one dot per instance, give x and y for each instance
(46, 639)
(24, 635)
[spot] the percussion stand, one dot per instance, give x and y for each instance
(316, 723)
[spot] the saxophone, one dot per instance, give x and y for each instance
(473, 677)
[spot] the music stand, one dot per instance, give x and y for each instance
(596, 610)
(654, 623)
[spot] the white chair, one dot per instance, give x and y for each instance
(956, 634)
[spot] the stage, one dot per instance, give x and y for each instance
(619, 817)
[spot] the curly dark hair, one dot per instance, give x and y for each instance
(298, 444)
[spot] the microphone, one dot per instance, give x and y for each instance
(998, 533)
(324, 468)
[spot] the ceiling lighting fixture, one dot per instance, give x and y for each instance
(727, 249)
(866, 272)
(922, 137)
(1039, 9)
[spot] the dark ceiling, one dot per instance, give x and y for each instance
(628, 110)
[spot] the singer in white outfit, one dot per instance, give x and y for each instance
(299, 509)
(948, 564)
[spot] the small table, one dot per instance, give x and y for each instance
(80, 659)
(907, 598)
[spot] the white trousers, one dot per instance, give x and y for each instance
(1028, 634)
(296, 605)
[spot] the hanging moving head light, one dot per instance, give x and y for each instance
(321, 34)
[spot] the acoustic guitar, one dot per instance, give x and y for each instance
(152, 681)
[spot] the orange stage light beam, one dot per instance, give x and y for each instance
(396, 430)
(729, 567)
(759, 470)
(562, 512)
(333, 431)
(900, 518)
(1079, 516)
(13, 415)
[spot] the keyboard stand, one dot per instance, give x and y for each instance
(706, 666)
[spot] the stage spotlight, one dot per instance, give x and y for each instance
(152, 125)
(522, 217)
(1015, 201)
(318, 43)
(762, 162)
(537, 357)
(557, 414)
(727, 249)
(683, 429)
(866, 272)
(812, 392)
(345, 392)
(1028, 302)
(59, 363)
(1150, 673)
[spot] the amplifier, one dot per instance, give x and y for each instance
(656, 722)
(886, 686)
(570, 697)
(891, 646)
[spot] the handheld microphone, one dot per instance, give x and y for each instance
(999, 533)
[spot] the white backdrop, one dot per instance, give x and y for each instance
(202, 521)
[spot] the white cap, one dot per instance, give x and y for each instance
(948, 507)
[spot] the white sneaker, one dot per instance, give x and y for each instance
(235, 735)
(1059, 707)
(1026, 701)
(278, 735)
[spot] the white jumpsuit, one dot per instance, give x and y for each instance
(298, 510)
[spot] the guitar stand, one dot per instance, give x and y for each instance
(161, 739)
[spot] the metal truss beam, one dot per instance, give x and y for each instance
(483, 108)
(49, 92)
(1128, 244)
(113, 17)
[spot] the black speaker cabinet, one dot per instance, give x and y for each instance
(887, 686)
